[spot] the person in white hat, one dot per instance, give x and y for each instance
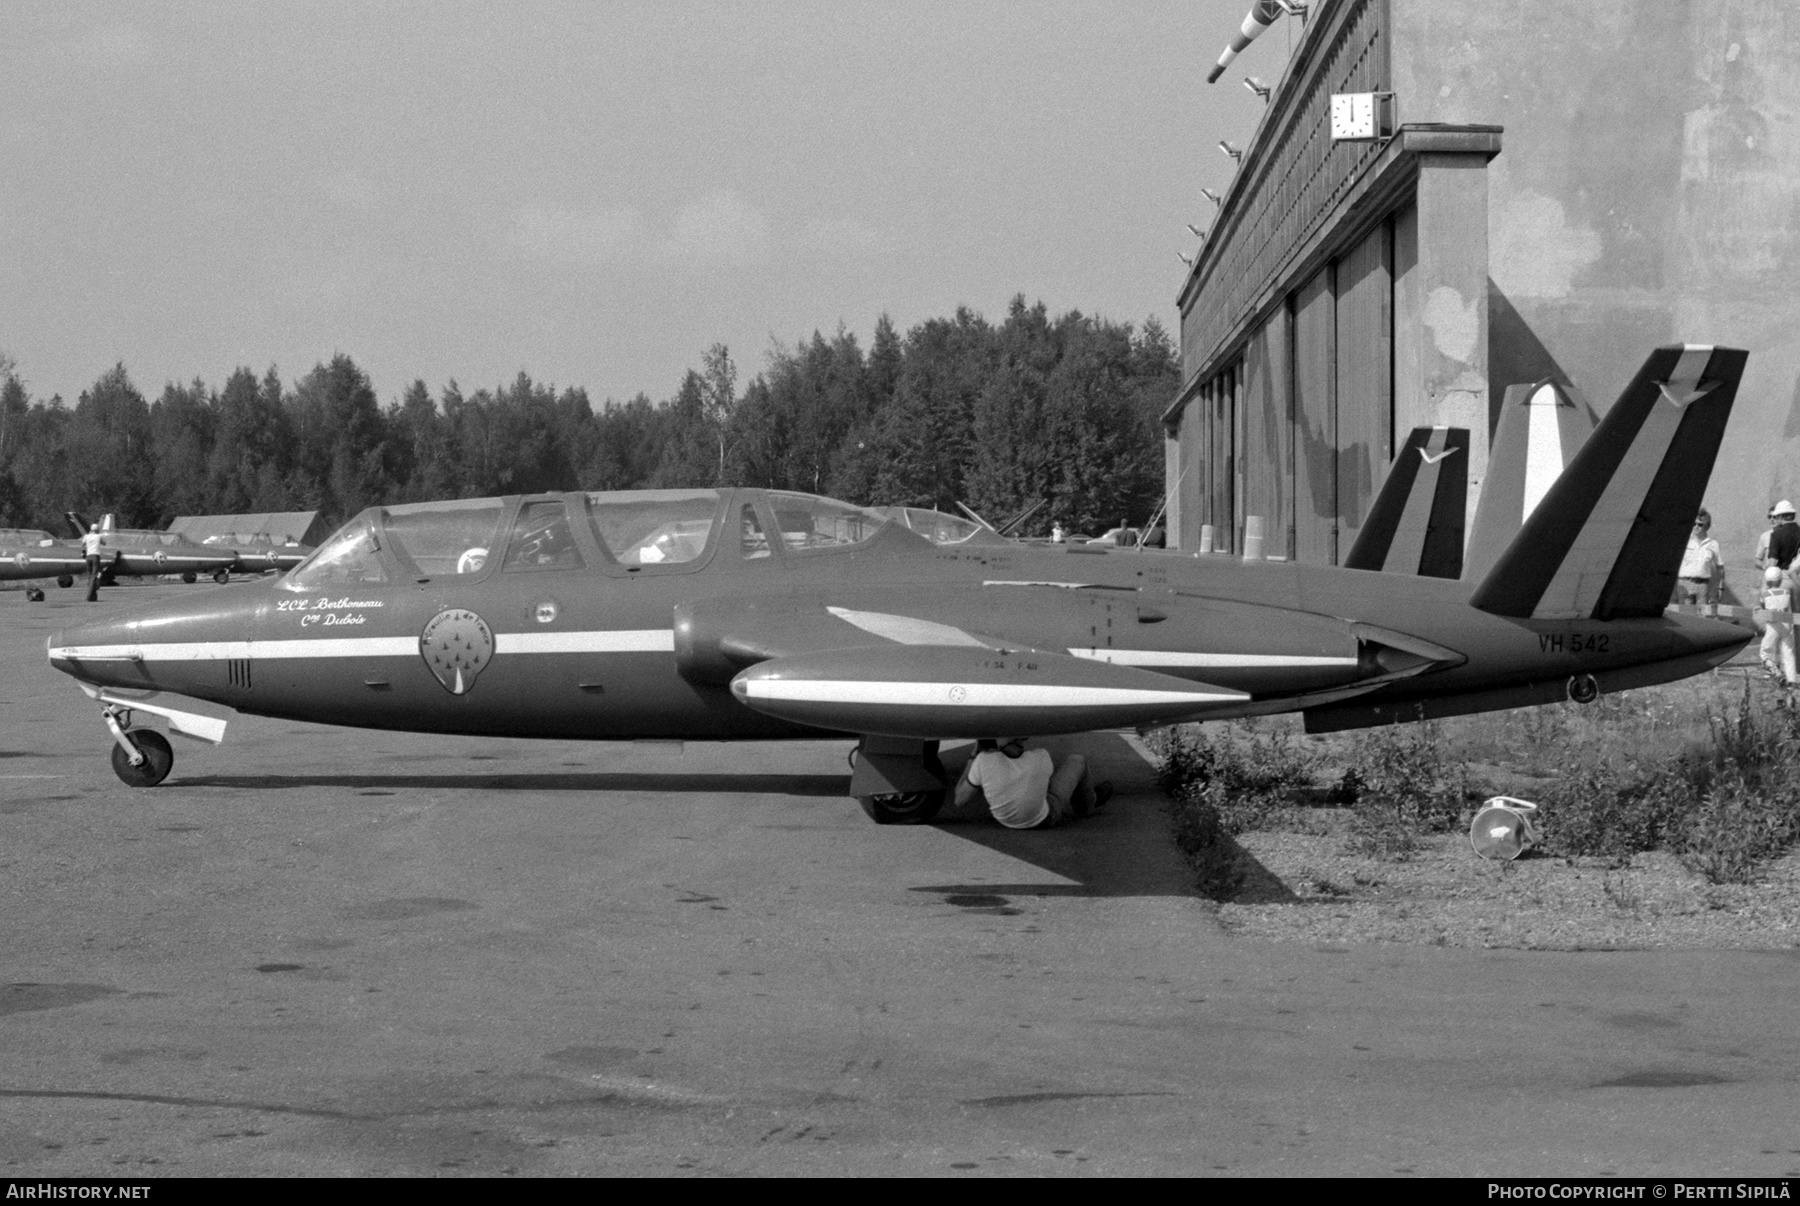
(1778, 594)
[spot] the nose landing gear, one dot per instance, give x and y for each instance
(140, 757)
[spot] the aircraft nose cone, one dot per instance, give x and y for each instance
(153, 647)
(90, 652)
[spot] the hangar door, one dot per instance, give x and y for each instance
(1315, 421)
(1267, 440)
(1365, 377)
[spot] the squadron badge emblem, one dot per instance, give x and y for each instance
(456, 645)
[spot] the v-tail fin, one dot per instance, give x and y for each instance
(1416, 523)
(1542, 426)
(1606, 539)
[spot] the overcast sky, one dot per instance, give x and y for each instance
(593, 192)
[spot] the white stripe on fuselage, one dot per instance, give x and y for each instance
(642, 640)
(1209, 661)
(631, 640)
(969, 695)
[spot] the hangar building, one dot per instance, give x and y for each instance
(1562, 187)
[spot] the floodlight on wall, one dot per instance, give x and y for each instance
(1188, 260)
(1236, 153)
(1257, 86)
(1196, 231)
(1212, 196)
(1263, 14)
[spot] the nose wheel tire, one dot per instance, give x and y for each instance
(903, 808)
(158, 758)
(221, 577)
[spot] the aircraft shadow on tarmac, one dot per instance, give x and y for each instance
(1125, 851)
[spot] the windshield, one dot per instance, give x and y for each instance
(348, 557)
(653, 527)
(440, 539)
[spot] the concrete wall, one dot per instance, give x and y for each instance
(1649, 192)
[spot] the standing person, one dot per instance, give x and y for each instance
(1701, 565)
(1777, 648)
(1024, 789)
(1762, 542)
(91, 543)
(1784, 537)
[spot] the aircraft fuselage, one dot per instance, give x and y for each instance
(611, 650)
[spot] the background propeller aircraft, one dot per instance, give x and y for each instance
(753, 614)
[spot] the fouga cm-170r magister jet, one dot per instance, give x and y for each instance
(759, 614)
(27, 554)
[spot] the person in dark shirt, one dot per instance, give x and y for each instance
(1784, 537)
(1778, 595)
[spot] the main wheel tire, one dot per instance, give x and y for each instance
(903, 808)
(158, 758)
(65, 581)
(190, 577)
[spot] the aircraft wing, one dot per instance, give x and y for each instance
(947, 691)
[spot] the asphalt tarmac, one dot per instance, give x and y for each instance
(318, 951)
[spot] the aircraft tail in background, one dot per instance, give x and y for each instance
(1605, 540)
(1416, 523)
(1542, 426)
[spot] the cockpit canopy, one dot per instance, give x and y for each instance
(15, 538)
(619, 532)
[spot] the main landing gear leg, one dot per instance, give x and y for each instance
(141, 758)
(898, 781)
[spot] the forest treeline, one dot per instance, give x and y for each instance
(959, 409)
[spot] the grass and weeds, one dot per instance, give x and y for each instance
(1232, 780)
(1707, 771)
